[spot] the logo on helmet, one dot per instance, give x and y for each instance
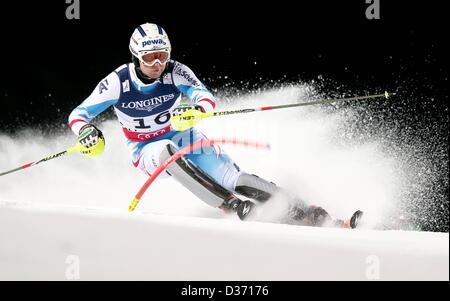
(153, 42)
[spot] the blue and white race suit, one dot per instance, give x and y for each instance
(144, 110)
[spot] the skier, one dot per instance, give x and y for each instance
(145, 94)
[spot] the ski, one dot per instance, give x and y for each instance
(318, 217)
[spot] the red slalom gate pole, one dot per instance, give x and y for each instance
(182, 152)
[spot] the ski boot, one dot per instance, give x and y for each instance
(242, 208)
(318, 217)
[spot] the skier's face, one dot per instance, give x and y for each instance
(153, 63)
(154, 71)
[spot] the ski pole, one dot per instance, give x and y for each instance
(191, 117)
(77, 147)
(182, 152)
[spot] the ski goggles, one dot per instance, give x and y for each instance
(151, 58)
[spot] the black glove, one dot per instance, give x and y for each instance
(89, 135)
(183, 108)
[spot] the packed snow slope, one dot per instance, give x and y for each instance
(45, 212)
(48, 243)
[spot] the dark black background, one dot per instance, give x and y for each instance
(281, 290)
(50, 64)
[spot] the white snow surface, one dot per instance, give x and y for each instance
(77, 206)
(40, 242)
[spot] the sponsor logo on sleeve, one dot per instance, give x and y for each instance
(103, 86)
(188, 77)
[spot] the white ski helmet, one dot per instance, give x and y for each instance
(148, 38)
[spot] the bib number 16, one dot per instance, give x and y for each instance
(161, 118)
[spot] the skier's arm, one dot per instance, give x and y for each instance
(188, 84)
(105, 95)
